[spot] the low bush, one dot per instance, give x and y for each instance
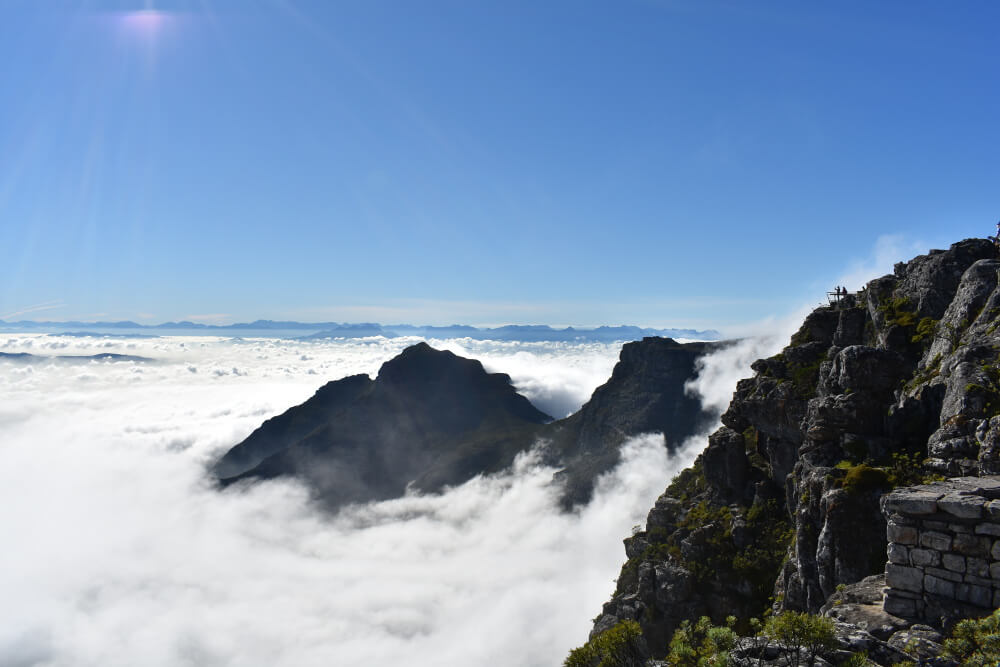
(975, 642)
(621, 646)
(801, 636)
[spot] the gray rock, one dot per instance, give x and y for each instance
(935, 540)
(953, 562)
(900, 606)
(964, 507)
(904, 578)
(902, 534)
(988, 528)
(977, 567)
(980, 596)
(911, 500)
(897, 553)
(947, 575)
(971, 545)
(919, 641)
(925, 557)
(937, 586)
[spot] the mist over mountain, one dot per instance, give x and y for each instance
(126, 537)
(431, 419)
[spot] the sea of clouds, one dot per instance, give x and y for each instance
(119, 551)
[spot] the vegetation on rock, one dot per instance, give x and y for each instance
(975, 642)
(621, 646)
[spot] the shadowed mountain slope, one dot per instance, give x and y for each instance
(432, 419)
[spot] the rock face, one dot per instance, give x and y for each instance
(359, 439)
(431, 419)
(645, 394)
(887, 388)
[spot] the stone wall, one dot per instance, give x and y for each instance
(944, 549)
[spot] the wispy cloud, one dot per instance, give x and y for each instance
(46, 305)
(889, 249)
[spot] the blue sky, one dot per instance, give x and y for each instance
(672, 163)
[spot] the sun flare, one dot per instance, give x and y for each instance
(148, 22)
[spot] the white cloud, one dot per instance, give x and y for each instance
(119, 552)
(38, 307)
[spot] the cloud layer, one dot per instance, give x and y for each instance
(120, 552)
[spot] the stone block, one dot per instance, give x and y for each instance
(988, 487)
(929, 524)
(971, 545)
(964, 507)
(995, 550)
(959, 528)
(911, 501)
(897, 553)
(993, 509)
(900, 606)
(978, 581)
(988, 528)
(995, 571)
(935, 540)
(902, 520)
(996, 599)
(904, 578)
(977, 595)
(977, 567)
(924, 557)
(901, 534)
(943, 574)
(953, 562)
(937, 586)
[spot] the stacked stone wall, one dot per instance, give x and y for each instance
(944, 549)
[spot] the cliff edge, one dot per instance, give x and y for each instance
(894, 386)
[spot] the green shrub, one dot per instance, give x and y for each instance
(925, 330)
(688, 483)
(805, 377)
(702, 644)
(975, 642)
(862, 478)
(801, 635)
(621, 646)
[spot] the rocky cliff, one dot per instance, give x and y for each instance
(431, 418)
(896, 385)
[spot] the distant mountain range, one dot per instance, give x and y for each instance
(321, 330)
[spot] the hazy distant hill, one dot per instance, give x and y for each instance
(317, 330)
(25, 358)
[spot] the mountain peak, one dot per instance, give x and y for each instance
(432, 418)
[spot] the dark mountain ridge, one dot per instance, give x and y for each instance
(431, 419)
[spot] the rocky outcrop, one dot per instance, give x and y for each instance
(645, 394)
(431, 419)
(429, 415)
(887, 388)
